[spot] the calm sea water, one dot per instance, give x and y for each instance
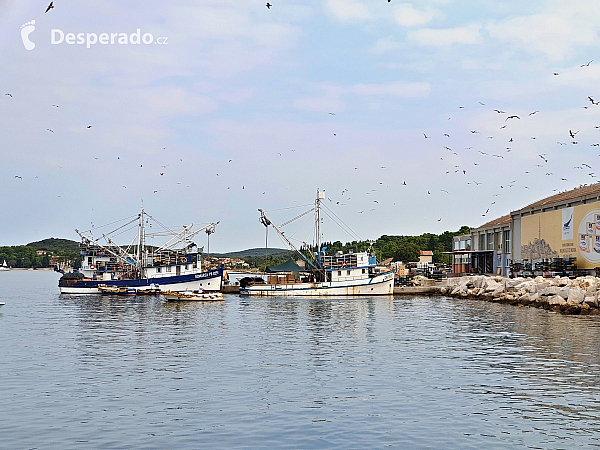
(100, 372)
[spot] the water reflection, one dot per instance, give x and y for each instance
(293, 372)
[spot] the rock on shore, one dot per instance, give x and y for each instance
(560, 294)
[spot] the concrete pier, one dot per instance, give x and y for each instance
(417, 290)
(230, 289)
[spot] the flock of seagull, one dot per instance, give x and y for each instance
(463, 169)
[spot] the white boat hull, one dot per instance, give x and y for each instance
(382, 284)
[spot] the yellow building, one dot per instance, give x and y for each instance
(561, 226)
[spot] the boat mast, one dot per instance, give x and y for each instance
(320, 196)
(141, 243)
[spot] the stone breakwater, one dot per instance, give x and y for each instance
(560, 294)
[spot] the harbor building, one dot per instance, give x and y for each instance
(426, 257)
(486, 249)
(563, 226)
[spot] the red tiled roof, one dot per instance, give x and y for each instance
(499, 221)
(580, 191)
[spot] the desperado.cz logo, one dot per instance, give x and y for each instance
(58, 36)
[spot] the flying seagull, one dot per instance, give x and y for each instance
(50, 6)
(9, 94)
(583, 65)
(89, 126)
(512, 117)
(499, 111)
(49, 130)
(426, 137)
(573, 133)
(268, 5)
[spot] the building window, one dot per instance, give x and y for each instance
(461, 245)
(168, 268)
(347, 272)
(339, 273)
(456, 244)
(507, 241)
(468, 244)
(158, 269)
(364, 271)
(490, 239)
(482, 242)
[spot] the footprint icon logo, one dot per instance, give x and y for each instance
(26, 30)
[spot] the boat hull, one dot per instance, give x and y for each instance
(209, 281)
(382, 284)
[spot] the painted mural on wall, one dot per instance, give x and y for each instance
(568, 232)
(538, 249)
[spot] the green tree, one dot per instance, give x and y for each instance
(407, 252)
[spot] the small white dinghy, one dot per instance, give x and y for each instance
(192, 296)
(2, 304)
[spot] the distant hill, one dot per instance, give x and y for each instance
(56, 245)
(251, 253)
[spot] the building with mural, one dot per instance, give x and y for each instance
(564, 225)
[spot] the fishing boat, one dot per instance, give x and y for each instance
(341, 274)
(197, 295)
(4, 267)
(174, 265)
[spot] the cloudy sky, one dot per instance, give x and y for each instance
(234, 113)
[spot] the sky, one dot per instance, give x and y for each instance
(402, 112)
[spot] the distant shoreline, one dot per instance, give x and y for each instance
(29, 268)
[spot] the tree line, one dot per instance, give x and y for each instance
(404, 248)
(25, 256)
(399, 248)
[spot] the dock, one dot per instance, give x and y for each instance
(417, 290)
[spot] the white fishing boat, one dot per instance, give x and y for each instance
(350, 274)
(2, 304)
(174, 265)
(4, 267)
